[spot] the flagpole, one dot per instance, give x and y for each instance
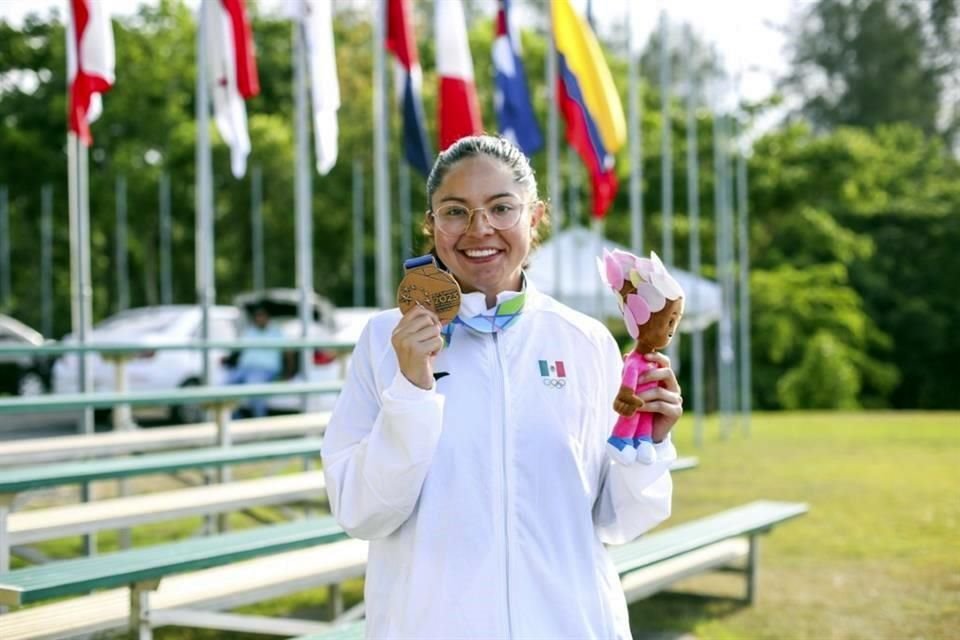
(46, 260)
(724, 347)
(79, 298)
(204, 192)
(693, 207)
(166, 268)
(406, 236)
(256, 226)
(381, 176)
(302, 187)
(120, 246)
(666, 144)
(635, 136)
(744, 246)
(553, 161)
(666, 175)
(729, 285)
(359, 280)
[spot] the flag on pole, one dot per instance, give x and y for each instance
(409, 82)
(316, 20)
(90, 64)
(458, 108)
(589, 101)
(233, 75)
(511, 98)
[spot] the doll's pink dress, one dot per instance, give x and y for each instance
(634, 433)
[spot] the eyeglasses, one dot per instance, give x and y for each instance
(454, 219)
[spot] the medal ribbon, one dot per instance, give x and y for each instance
(504, 315)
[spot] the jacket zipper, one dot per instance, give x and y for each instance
(506, 493)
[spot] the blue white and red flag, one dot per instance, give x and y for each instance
(511, 97)
(409, 81)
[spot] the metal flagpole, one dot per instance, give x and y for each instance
(204, 193)
(718, 184)
(166, 267)
(731, 267)
(120, 246)
(256, 226)
(553, 160)
(744, 246)
(724, 346)
(302, 187)
(359, 281)
(406, 235)
(46, 260)
(635, 136)
(80, 299)
(5, 287)
(693, 207)
(666, 166)
(666, 144)
(573, 187)
(381, 178)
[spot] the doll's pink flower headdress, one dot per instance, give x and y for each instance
(650, 278)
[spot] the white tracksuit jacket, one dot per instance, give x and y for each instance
(488, 499)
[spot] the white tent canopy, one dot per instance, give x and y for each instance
(581, 286)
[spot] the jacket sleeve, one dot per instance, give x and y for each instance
(631, 499)
(378, 445)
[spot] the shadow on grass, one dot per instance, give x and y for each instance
(675, 614)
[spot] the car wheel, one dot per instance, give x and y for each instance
(188, 413)
(31, 384)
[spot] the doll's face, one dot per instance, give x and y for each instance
(657, 332)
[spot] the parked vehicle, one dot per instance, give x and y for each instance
(23, 375)
(151, 369)
(283, 306)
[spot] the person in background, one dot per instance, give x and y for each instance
(473, 455)
(258, 365)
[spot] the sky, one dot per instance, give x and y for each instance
(745, 32)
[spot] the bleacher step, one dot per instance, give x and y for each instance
(219, 588)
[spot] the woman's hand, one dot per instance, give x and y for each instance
(416, 341)
(665, 400)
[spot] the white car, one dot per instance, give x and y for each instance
(150, 369)
(283, 306)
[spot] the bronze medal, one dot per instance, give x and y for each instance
(424, 283)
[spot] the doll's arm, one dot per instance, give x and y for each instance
(626, 402)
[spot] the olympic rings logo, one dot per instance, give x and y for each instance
(556, 383)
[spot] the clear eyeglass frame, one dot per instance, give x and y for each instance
(501, 221)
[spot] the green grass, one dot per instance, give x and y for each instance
(877, 557)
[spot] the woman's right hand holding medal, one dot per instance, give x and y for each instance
(416, 341)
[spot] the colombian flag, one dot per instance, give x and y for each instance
(589, 101)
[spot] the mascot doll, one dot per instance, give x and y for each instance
(652, 303)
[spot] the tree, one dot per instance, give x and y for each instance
(870, 62)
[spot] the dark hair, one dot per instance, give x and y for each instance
(482, 145)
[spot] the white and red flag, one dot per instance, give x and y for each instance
(458, 107)
(90, 64)
(233, 75)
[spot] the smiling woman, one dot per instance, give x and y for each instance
(471, 452)
(485, 214)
